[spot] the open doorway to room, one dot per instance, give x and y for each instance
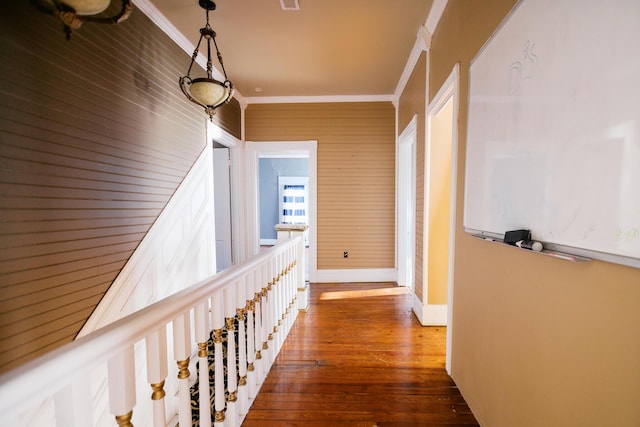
(283, 193)
(440, 204)
(406, 208)
(222, 203)
(226, 182)
(264, 153)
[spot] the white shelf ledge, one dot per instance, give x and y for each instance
(546, 252)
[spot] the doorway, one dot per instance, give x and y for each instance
(283, 193)
(406, 210)
(222, 205)
(227, 180)
(440, 204)
(254, 152)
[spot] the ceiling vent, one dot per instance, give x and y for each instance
(290, 4)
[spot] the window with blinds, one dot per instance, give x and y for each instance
(293, 194)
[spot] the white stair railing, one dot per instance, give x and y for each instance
(253, 303)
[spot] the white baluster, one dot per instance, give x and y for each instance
(279, 299)
(202, 337)
(267, 314)
(232, 374)
(284, 302)
(287, 292)
(300, 283)
(217, 323)
(157, 371)
(73, 404)
(259, 334)
(293, 285)
(181, 350)
(122, 386)
(275, 309)
(243, 397)
(251, 335)
(292, 288)
(275, 291)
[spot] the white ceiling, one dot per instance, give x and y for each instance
(327, 48)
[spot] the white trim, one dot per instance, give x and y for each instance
(255, 150)
(422, 44)
(268, 242)
(161, 21)
(219, 135)
(437, 9)
(356, 275)
(427, 189)
(408, 137)
(450, 88)
(447, 90)
(430, 314)
(318, 99)
(284, 156)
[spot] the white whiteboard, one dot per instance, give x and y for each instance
(553, 141)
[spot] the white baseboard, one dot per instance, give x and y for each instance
(356, 275)
(268, 242)
(430, 314)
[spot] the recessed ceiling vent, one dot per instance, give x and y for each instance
(290, 4)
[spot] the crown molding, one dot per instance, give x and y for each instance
(317, 99)
(422, 43)
(437, 9)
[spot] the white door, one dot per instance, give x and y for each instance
(222, 201)
(407, 205)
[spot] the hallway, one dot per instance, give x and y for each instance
(359, 357)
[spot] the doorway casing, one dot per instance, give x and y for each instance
(303, 149)
(406, 205)
(447, 96)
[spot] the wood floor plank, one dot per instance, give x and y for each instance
(359, 357)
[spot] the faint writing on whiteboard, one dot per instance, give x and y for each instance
(522, 68)
(627, 234)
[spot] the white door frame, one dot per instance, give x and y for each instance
(406, 190)
(222, 207)
(303, 149)
(219, 135)
(449, 90)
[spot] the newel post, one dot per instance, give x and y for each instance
(290, 231)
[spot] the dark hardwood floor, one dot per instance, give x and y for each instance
(359, 357)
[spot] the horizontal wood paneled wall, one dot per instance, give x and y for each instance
(413, 101)
(95, 137)
(356, 174)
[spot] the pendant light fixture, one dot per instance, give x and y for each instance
(207, 92)
(72, 13)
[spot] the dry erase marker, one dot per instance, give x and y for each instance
(529, 244)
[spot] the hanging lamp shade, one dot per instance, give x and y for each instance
(88, 7)
(207, 92)
(72, 13)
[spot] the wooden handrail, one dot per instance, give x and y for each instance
(269, 275)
